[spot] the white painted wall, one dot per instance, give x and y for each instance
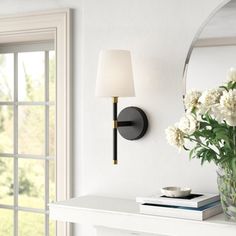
(159, 33)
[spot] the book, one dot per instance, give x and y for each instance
(193, 200)
(190, 213)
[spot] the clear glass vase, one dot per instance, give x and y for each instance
(227, 189)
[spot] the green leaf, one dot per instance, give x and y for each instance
(224, 87)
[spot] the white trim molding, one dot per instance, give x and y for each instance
(47, 25)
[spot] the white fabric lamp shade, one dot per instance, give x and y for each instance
(115, 75)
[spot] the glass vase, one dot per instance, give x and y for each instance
(227, 189)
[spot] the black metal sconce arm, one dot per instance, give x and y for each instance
(115, 125)
(132, 124)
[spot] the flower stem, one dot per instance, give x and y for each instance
(203, 145)
(234, 136)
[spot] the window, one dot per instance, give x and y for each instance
(27, 138)
(35, 121)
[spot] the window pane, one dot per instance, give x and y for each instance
(6, 222)
(31, 224)
(52, 130)
(52, 228)
(6, 129)
(31, 130)
(52, 76)
(52, 182)
(31, 183)
(6, 181)
(6, 77)
(31, 85)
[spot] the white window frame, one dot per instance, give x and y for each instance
(38, 26)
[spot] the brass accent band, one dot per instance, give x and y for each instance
(115, 99)
(115, 162)
(114, 124)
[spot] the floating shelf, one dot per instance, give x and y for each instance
(124, 214)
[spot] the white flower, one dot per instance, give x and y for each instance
(228, 107)
(232, 75)
(188, 124)
(216, 113)
(209, 99)
(191, 100)
(175, 136)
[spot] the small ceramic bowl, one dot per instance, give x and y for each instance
(175, 191)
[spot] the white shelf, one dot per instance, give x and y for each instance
(124, 214)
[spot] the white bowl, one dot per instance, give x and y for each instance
(176, 191)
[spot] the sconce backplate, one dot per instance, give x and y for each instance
(139, 123)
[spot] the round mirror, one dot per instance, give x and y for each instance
(213, 51)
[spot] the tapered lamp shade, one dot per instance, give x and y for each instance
(115, 75)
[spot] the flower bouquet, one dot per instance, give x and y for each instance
(208, 131)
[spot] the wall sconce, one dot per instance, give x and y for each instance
(115, 79)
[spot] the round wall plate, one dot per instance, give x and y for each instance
(139, 123)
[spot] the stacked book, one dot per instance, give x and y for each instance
(193, 206)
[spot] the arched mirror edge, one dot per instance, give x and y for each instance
(206, 21)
